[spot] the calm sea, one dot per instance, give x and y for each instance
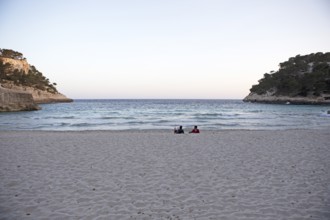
(167, 114)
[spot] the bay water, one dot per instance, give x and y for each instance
(166, 114)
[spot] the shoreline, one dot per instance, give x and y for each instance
(227, 174)
(169, 131)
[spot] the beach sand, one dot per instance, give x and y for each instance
(158, 175)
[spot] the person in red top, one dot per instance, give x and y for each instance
(195, 130)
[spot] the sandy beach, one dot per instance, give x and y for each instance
(158, 175)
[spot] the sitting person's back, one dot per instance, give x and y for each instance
(195, 130)
(179, 130)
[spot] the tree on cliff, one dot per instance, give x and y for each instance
(299, 76)
(3, 67)
(33, 78)
(11, 54)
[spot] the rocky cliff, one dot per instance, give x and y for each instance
(11, 100)
(39, 96)
(15, 64)
(276, 99)
(300, 80)
(22, 84)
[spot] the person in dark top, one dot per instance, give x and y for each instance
(195, 130)
(179, 130)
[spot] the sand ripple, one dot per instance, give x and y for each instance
(157, 175)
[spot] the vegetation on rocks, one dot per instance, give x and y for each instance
(33, 78)
(303, 76)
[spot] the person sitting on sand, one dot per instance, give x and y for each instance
(179, 130)
(195, 130)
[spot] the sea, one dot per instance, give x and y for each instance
(159, 114)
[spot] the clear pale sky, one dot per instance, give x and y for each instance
(209, 49)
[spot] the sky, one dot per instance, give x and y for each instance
(166, 49)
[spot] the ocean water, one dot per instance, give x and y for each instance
(167, 114)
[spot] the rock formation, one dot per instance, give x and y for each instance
(39, 96)
(22, 85)
(14, 64)
(11, 100)
(278, 99)
(300, 80)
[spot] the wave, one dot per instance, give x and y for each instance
(59, 117)
(255, 111)
(215, 114)
(117, 117)
(63, 124)
(217, 117)
(208, 114)
(325, 114)
(227, 124)
(162, 121)
(83, 124)
(136, 122)
(108, 117)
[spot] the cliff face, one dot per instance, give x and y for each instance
(22, 85)
(11, 100)
(39, 96)
(300, 80)
(20, 65)
(267, 98)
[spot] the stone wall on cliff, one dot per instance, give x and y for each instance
(11, 100)
(39, 96)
